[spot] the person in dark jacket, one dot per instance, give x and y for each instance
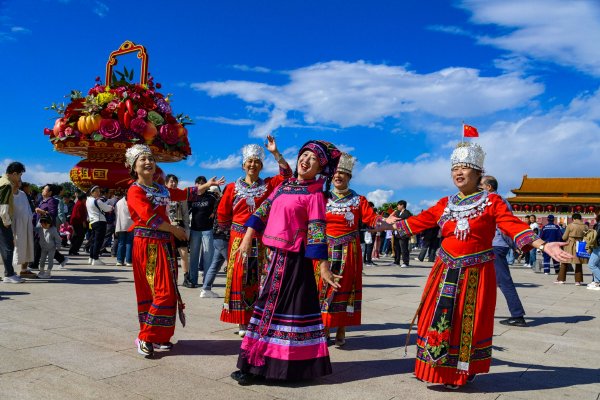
(79, 222)
(551, 233)
(401, 249)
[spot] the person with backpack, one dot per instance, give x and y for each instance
(97, 210)
(592, 239)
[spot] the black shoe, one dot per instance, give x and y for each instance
(243, 378)
(189, 284)
(144, 348)
(396, 263)
(518, 321)
(74, 254)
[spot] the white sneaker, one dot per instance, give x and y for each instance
(593, 284)
(242, 332)
(119, 264)
(128, 264)
(13, 279)
(90, 260)
(98, 262)
(403, 266)
(527, 266)
(208, 294)
(594, 288)
(44, 275)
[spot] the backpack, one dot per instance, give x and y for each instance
(591, 240)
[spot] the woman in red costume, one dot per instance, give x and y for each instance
(154, 256)
(456, 314)
(346, 210)
(240, 199)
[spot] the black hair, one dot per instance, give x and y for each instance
(51, 187)
(201, 180)
(46, 219)
(371, 204)
(490, 180)
(25, 185)
(171, 176)
(402, 203)
(576, 216)
(15, 166)
(81, 196)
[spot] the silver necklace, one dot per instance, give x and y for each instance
(245, 191)
(462, 213)
(344, 207)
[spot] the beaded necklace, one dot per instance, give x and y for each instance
(245, 191)
(461, 210)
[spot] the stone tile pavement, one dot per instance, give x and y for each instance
(72, 338)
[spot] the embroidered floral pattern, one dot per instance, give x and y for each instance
(525, 238)
(316, 232)
(438, 339)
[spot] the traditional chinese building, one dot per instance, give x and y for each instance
(558, 196)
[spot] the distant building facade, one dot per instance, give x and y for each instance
(560, 197)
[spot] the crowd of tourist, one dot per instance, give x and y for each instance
(293, 247)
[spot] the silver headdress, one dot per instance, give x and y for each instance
(252, 151)
(468, 154)
(134, 152)
(346, 163)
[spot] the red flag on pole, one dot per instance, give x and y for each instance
(470, 131)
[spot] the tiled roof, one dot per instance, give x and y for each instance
(558, 186)
(554, 200)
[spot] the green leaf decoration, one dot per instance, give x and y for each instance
(131, 75)
(97, 137)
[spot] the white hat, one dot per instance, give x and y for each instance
(468, 154)
(250, 151)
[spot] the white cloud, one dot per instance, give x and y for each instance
(561, 143)
(550, 30)
(100, 9)
(232, 161)
(229, 121)
(345, 148)
(248, 68)
(37, 174)
(361, 94)
(19, 29)
(380, 196)
(454, 30)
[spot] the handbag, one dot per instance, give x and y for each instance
(580, 250)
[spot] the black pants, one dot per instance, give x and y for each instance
(429, 248)
(401, 250)
(368, 253)
(77, 238)
(98, 233)
(7, 248)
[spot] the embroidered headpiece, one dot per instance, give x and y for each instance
(327, 154)
(468, 154)
(346, 163)
(251, 151)
(132, 154)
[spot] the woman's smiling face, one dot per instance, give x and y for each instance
(308, 165)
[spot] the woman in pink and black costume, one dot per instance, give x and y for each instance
(285, 338)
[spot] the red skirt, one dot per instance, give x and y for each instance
(472, 324)
(243, 280)
(155, 276)
(343, 306)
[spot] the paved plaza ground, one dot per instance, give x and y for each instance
(72, 338)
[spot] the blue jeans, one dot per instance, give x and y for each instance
(200, 242)
(594, 264)
(532, 258)
(510, 257)
(219, 256)
(124, 246)
(506, 284)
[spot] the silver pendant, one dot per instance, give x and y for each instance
(250, 202)
(349, 217)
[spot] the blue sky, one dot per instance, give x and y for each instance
(388, 81)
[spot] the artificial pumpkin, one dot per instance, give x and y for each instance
(89, 123)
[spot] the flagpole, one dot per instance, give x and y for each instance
(463, 132)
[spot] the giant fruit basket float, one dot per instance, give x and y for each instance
(102, 124)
